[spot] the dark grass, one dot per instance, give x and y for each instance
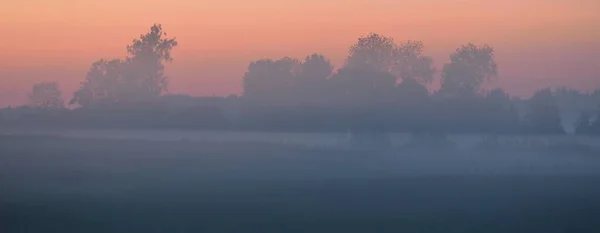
(53, 184)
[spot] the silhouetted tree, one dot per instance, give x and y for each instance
(140, 77)
(410, 91)
(374, 50)
(583, 125)
(410, 63)
(46, 95)
(501, 111)
(270, 82)
(544, 116)
(362, 84)
(103, 84)
(146, 63)
(310, 85)
(404, 61)
(595, 122)
(470, 66)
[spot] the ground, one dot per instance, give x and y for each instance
(56, 184)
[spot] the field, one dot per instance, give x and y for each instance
(102, 184)
(307, 139)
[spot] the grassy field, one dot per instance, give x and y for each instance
(62, 184)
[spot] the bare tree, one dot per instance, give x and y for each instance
(46, 95)
(469, 68)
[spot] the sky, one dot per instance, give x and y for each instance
(538, 43)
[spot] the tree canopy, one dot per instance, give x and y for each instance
(46, 95)
(469, 68)
(138, 77)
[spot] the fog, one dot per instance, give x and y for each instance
(307, 147)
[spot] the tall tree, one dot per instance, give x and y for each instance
(146, 62)
(469, 68)
(46, 95)
(139, 77)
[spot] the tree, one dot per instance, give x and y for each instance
(314, 71)
(409, 91)
(362, 84)
(267, 81)
(595, 122)
(139, 77)
(412, 64)
(404, 61)
(544, 115)
(146, 62)
(103, 84)
(469, 68)
(311, 82)
(374, 50)
(502, 112)
(46, 95)
(583, 125)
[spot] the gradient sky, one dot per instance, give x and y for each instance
(539, 43)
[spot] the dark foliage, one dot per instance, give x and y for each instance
(382, 87)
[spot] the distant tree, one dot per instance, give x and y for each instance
(469, 68)
(583, 125)
(362, 84)
(103, 84)
(503, 113)
(267, 81)
(544, 116)
(595, 121)
(368, 72)
(411, 91)
(139, 77)
(404, 61)
(373, 50)
(310, 83)
(314, 71)
(498, 95)
(146, 62)
(410, 63)
(46, 95)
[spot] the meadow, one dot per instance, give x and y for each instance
(64, 183)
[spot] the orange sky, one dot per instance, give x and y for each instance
(538, 42)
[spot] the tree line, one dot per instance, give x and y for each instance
(382, 86)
